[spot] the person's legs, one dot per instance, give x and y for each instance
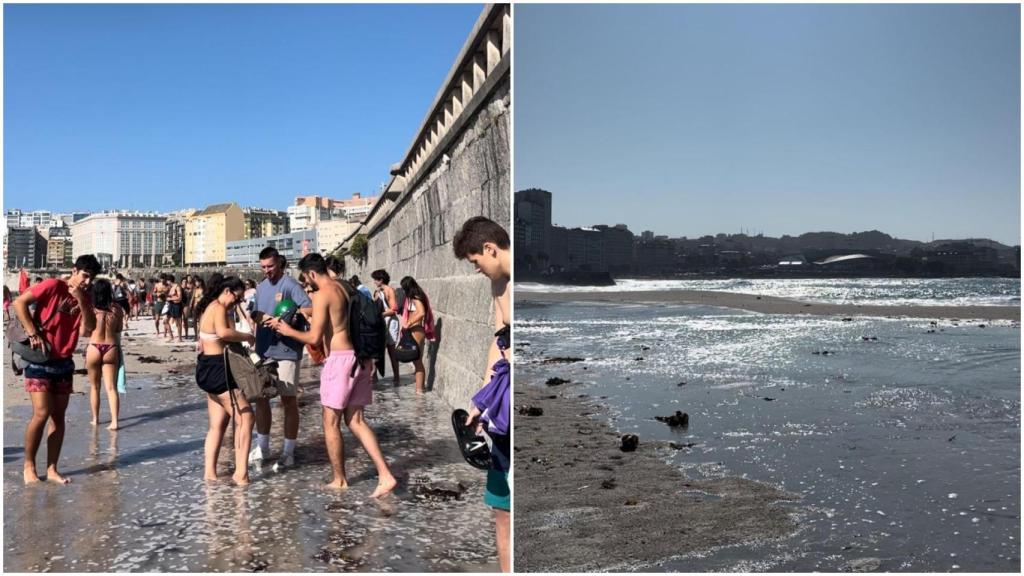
(110, 366)
(243, 433)
(394, 363)
(288, 374)
(55, 439)
(264, 418)
(94, 367)
(354, 420)
(219, 419)
(34, 433)
(335, 448)
(502, 531)
(421, 371)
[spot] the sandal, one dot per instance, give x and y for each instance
(474, 448)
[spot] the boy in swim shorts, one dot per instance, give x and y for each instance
(345, 386)
(63, 310)
(486, 245)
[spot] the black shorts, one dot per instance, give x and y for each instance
(174, 310)
(211, 376)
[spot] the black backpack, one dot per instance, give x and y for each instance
(366, 326)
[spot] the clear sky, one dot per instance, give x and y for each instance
(163, 107)
(692, 120)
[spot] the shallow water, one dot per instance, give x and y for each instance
(863, 291)
(138, 502)
(905, 448)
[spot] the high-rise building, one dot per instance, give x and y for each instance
(331, 233)
(127, 239)
(174, 236)
(532, 214)
(208, 231)
(21, 247)
(59, 249)
(263, 222)
(617, 244)
(586, 250)
(13, 216)
(309, 211)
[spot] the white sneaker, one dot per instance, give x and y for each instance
(256, 455)
(286, 461)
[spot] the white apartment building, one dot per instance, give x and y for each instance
(331, 233)
(128, 238)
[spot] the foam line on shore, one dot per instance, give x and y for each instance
(775, 305)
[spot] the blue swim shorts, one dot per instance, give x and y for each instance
(497, 494)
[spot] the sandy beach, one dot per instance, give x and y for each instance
(145, 356)
(582, 504)
(158, 515)
(775, 305)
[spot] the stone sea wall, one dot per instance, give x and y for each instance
(459, 167)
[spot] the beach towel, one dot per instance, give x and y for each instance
(122, 385)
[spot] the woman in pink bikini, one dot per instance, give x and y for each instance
(102, 357)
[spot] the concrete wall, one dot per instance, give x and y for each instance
(416, 241)
(457, 169)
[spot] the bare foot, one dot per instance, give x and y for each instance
(208, 478)
(31, 477)
(112, 427)
(95, 421)
(242, 480)
(336, 485)
(384, 485)
(55, 477)
(421, 391)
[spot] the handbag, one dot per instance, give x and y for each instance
(407, 349)
(18, 340)
(253, 380)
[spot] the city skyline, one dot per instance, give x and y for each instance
(786, 119)
(160, 108)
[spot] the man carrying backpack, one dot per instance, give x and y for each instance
(366, 323)
(345, 386)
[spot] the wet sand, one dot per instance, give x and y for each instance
(137, 501)
(774, 305)
(584, 505)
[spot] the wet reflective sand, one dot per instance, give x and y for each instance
(137, 501)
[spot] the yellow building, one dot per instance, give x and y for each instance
(208, 232)
(58, 252)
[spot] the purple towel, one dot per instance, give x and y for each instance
(493, 399)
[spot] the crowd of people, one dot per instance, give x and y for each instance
(221, 311)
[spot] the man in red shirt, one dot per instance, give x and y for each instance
(63, 311)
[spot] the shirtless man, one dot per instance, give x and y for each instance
(174, 308)
(343, 391)
(159, 300)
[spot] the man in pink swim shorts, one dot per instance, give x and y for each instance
(345, 387)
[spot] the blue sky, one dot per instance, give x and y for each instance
(692, 120)
(162, 107)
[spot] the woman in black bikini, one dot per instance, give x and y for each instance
(215, 328)
(102, 355)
